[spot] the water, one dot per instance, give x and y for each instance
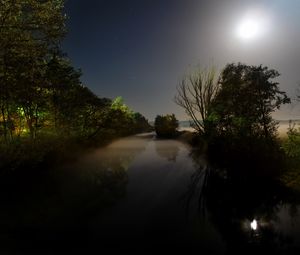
(142, 195)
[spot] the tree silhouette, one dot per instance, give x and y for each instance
(195, 94)
(166, 126)
(246, 99)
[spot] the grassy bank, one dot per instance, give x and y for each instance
(47, 151)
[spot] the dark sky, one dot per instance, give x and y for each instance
(140, 49)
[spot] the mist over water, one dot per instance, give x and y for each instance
(141, 194)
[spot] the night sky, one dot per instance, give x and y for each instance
(140, 49)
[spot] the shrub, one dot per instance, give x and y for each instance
(166, 126)
(292, 144)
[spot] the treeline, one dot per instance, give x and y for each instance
(41, 94)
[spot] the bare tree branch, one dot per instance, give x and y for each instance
(195, 94)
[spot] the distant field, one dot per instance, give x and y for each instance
(282, 129)
(284, 125)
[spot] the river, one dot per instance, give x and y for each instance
(142, 195)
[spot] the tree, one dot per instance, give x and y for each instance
(141, 124)
(247, 98)
(195, 94)
(30, 30)
(40, 91)
(118, 104)
(166, 126)
(61, 80)
(116, 119)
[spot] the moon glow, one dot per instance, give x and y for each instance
(252, 26)
(248, 29)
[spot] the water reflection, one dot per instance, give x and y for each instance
(45, 206)
(167, 149)
(253, 225)
(260, 216)
(143, 195)
(97, 180)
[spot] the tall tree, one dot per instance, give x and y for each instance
(30, 30)
(63, 85)
(247, 98)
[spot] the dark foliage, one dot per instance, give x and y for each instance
(245, 102)
(42, 100)
(166, 126)
(242, 137)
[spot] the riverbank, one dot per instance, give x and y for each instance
(46, 151)
(286, 170)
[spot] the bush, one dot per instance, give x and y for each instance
(166, 126)
(292, 144)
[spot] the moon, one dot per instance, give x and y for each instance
(248, 29)
(252, 26)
